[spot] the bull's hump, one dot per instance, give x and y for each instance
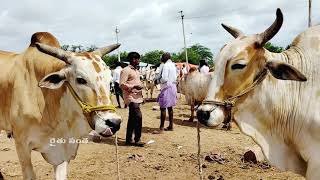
(45, 38)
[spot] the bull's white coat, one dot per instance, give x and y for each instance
(283, 117)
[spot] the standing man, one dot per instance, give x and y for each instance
(203, 67)
(132, 90)
(116, 80)
(168, 95)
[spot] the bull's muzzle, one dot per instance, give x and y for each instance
(107, 126)
(114, 124)
(210, 115)
(203, 116)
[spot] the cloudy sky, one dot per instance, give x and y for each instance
(147, 24)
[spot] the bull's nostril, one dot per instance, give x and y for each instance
(117, 125)
(203, 116)
(114, 124)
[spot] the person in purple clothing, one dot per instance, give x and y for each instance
(167, 98)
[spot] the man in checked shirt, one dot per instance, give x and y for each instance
(132, 92)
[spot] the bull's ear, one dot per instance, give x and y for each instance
(53, 80)
(285, 71)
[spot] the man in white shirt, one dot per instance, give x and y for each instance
(116, 80)
(168, 95)
(203, 67)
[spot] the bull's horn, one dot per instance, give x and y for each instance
(272, 30)
(55, 52)
(105, 50)
(233, 31)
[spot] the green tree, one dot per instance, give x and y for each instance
(111, 60)
(152, 57)
(204, 52)
(273, 48)
(175, 57)
(65, 47)
(193, 56)
(91, 48)
(78, 48)
(195, 53)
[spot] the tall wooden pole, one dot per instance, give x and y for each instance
(117, 32)
(184, 39)
(310, 8)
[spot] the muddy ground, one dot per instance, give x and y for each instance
(173, 155)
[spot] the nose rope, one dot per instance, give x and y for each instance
(229, 103)
(87, 108)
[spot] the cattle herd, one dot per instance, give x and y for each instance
(48, 93)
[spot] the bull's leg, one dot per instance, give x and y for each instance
(191, 102)
(24, 155)
(147, 90)
(227, 126)
(151, 92)
(147, 94)
(192, 113)
(60, 171)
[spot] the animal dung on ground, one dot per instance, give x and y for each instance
(212, 158)
(211, 177)
(5, 149)
(253, 154)
(136, 157)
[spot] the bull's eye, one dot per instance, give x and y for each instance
(81, 81)
(238, 66)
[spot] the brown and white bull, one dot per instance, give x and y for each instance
(262, 91)
(37, 106)
(195, 88)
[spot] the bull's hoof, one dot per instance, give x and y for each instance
(227, 126)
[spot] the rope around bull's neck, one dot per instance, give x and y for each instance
(87, 108)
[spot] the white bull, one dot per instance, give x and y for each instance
(283, 117)
(149, 82)
(195, 88)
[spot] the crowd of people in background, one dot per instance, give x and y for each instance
(127, 84)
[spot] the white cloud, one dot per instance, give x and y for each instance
(147, 25)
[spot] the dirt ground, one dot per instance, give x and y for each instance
(173, 155)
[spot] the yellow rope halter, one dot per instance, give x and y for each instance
(87, 108)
